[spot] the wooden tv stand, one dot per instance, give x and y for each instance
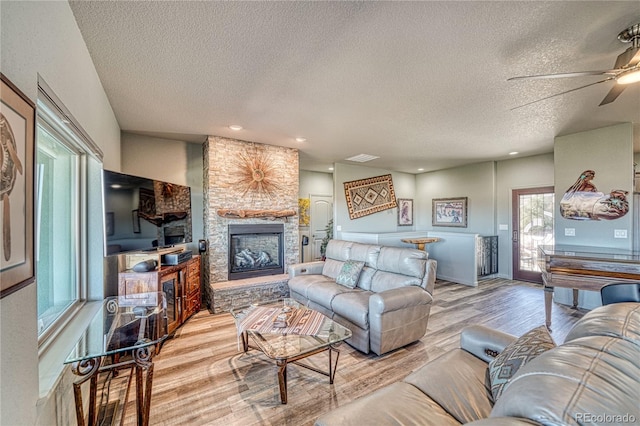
(180, 283)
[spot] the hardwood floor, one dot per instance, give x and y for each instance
(201, 378)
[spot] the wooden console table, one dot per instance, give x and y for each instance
(123, 335)
(584, 268)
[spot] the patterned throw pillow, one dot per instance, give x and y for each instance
(350, 273)
(517, 354)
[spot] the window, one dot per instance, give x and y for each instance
(63, 152)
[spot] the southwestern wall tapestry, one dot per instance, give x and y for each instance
(583, 201)
(368, 196)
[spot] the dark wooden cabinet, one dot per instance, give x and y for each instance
(180, 283)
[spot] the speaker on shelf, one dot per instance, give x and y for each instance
(145, 266)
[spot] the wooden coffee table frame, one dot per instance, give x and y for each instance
(283, 362)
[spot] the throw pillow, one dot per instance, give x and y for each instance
(350, 273)
(517, 354)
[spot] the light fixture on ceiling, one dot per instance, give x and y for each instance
(116, 186)
(421, 169)
(331, 168)
(362, 158)
(235, 127)
(301, 140)
(628, 77)
(514, 153)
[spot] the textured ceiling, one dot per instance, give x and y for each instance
(419, 84)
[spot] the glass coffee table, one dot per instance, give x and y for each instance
(288, 332)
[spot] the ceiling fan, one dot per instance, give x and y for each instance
(625, 71)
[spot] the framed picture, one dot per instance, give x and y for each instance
(405, 212)
(17, 137)
(449, 212)
(135, 221)
(109, 223)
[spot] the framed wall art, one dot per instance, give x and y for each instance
(449, 212)
(17, 138)
(368, 196)
(405, 212)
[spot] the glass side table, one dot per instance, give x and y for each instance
(124, 334)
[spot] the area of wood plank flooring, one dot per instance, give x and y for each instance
(201, 377)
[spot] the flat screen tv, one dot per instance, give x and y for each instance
(144, 214)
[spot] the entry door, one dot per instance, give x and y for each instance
(320, 213)
(533, 211)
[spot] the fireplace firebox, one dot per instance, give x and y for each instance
(255, 250)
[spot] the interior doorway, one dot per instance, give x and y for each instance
(320, 213)
(533, 213)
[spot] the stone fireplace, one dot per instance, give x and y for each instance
(242, 176)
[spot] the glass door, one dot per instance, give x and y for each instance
(533, 211)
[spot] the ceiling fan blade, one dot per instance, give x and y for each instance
(628, 58)
(565, 92)
(613, 94)
(564, 75)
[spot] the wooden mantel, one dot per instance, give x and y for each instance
(252, 214)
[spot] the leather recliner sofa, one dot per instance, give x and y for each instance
(388, 308)
(592, 378)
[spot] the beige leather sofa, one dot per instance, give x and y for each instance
(593, 378)
(388, 308)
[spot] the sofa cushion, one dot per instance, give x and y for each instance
(366, 253)
(338, 250)
(366, 276)
(332, 268)
(302, 283)
(591, 380)
(354, 306)
(456, 381)
(516, 355)
(397, 404)
(402, 261)
(618, 320)
(382, 281)
(350, 273)
(323, 292)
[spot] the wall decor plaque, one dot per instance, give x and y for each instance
(368, 196)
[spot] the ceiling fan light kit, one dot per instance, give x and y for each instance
(629, 77)
(626, 70)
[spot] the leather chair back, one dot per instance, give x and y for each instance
(620, 292)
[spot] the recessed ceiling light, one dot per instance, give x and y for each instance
(362, 158)
(331, 168)
(420, 169)
(116, 186)
(235, 127)
(514, 153)
(301, 140)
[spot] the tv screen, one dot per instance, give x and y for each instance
(144, 214)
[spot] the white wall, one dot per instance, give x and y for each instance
(609, 152)
(517, 173)
(316, 183)
(43, 38)
(477, 182)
